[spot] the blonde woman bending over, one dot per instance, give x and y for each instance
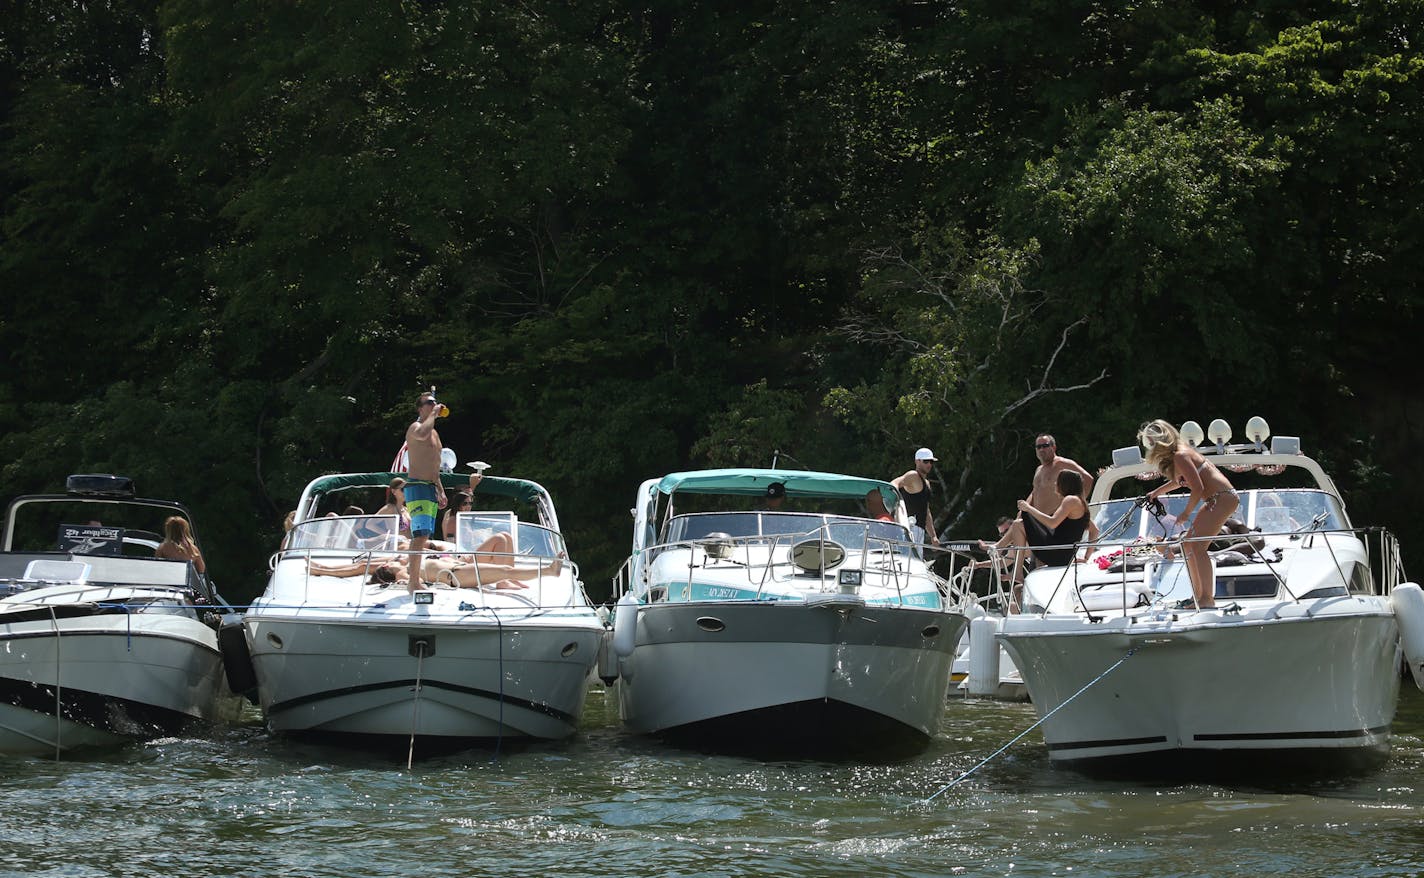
(1182, 465)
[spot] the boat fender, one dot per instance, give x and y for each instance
(1408, 602)
(237, 660)
(983, 656)
(625, 626)
(607, 659)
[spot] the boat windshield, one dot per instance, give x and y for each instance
(848, 531)
(359, 533)
(1272, 511)
(473, 529)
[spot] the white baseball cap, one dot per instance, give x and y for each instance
(925, 454)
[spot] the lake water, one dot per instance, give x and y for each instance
(238, 802)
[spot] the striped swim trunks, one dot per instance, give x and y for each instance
(421, 503)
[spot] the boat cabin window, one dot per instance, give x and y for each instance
(1253, 586)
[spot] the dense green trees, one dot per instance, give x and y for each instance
(238, 237)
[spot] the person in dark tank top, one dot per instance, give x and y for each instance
(914, 488)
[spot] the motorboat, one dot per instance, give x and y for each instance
(1298, 661)
(101, 642)
(809, 627)
(501, 647)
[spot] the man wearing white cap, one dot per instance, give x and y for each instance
(914, 488)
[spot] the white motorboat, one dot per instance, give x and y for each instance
(101, 643)
(339, 652)
(1300, 658)
(748, 628)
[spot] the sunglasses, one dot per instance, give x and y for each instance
(1043, 445)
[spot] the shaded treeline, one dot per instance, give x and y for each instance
(239, 237)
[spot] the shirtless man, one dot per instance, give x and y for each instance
(424, 495)
(1044, 494)
(1045, 479)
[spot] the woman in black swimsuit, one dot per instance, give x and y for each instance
(1063, 527)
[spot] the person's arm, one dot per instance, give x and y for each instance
(197, 559)
(1192, 479)
(1049, 521)
(929, 526)
(1087, 478)
(1164, 488)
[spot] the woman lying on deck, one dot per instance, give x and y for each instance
(487, 567)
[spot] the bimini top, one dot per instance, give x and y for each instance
(799, 483)
(498, 486)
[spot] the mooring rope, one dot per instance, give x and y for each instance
(58, 684)
(499, 729)
(420, 646)
(985, 761)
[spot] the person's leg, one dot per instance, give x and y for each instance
(1015, 536)
(420, 502)
(1208, 522)
(498, 549)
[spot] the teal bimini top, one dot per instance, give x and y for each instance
(799, 483)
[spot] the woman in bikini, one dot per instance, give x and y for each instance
(480, 570)
(1182, 465)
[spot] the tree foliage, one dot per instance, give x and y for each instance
(239, 237)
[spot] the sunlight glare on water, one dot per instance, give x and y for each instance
(605, 803)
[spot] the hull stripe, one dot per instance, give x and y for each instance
(107, 713)
(289, 704)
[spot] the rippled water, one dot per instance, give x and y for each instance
(237, 802)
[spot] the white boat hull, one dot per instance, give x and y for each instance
(1319, 675)
(874, 667)
(102, 680)
(526, 679)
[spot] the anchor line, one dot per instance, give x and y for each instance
(415, 707)
(985, 761)
(58, 684)
(499, 728)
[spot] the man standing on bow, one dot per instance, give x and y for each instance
(914, 488)
(424, 495)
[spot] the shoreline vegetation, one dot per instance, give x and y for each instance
(624, 241)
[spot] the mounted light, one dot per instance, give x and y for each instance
(1258, 431)
(1192, 433)
(1219, 432)
(1131, 456)
(1285, 445)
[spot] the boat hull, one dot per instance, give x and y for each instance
(472, 681)
(1317, 676)
(102, 680)
(787, 669)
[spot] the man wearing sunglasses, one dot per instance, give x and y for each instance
(1045, 479)
(914, 488)
(424, 495)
